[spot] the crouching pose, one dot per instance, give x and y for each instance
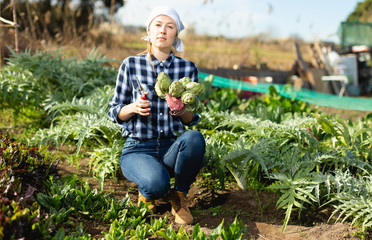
(157, 146)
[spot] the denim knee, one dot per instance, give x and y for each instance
(154, 189)
(195, 140)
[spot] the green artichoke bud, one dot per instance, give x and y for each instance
(195, 87)
(195, 107)
(185, 80)
(161, 94)
(163, 81)
(176, 89)
(188, 97)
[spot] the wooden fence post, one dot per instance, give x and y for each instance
(15, 26)
(8, 23)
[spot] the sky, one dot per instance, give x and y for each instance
(309, 20)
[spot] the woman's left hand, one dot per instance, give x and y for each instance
(178, 113)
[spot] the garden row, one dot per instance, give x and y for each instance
(312, 161)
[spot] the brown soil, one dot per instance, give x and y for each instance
(255, 209)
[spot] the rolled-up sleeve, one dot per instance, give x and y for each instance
(122, 95)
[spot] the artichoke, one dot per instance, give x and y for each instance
(185, 80)
(195, 107)
(188, 97)
(161, 94)
(176, 89)
(195, 87)
(163, 81)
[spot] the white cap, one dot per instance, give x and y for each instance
(170, 12)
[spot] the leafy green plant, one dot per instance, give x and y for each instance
(275, 107)
(23, 170)
(197, 234)
(105, 161)
(20, 221)
(85, 121)
(216, 148)
(353, 198)
(18, 90)
(81, 120)
(291, 155)
(44, 77)
(79, 234)
(65, 78)
(358, 208)
(357, 137)
(223, 100)
(74, 196)
(296, 191)
(235, 230)
(121, 228)
(218, 99)
(209, 90)
(243, 175)
(170, 234)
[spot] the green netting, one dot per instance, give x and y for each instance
(306, 95)
(355, 33)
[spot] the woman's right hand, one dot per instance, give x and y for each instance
(142, 106)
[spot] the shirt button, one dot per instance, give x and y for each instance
(161, 64)
(161, 114)
(161, 131)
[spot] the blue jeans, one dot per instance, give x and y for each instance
(152, 163)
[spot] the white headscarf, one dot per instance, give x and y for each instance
(170, 12)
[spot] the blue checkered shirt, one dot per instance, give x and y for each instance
(160, 124)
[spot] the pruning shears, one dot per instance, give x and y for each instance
(141, 90)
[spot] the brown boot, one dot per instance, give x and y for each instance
(179, 208)
(151, 207)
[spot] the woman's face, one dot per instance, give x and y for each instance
(162, 32)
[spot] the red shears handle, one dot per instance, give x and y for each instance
(143, 97)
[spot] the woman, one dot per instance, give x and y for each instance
(157, 146)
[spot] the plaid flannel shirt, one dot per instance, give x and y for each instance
(160, 124)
